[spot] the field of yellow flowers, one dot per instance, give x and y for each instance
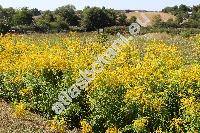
(151, 86)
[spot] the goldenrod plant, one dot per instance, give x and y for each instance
(150, 86)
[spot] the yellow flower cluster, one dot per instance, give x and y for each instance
(25, 91)
(19, 110)
(140, 124)
(177, 123)
(153, 73)
(85, 127)
(112, 130)
(23, 54)
(191, 106)
(57, 126)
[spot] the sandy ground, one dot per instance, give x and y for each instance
(28, 124)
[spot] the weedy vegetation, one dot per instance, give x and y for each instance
(151, 86)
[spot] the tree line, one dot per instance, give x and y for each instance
(186, 22)
(62, 19)
(67, 18)
(186, 17)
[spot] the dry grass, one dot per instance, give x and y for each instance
(28, 124)
(151, 15)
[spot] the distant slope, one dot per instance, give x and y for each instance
(151, 15)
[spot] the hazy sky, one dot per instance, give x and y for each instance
(80, 4)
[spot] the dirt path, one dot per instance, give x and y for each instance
(31, 123)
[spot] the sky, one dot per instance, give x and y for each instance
(153, 5)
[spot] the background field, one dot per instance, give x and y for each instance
(151, 15)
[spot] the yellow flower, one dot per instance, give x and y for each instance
(177, 123)
(112, 130)
(159, 130)
(135, 93)
(19, 110)
(25, 91)
(85, 127)
(157, 104)
(57, 126)
(190, 105)
(140, 123)
(190, 91)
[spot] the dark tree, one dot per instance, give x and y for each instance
(22, 17)
(68, 14)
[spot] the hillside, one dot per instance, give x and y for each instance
(151, 15)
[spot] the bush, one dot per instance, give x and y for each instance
(185, 33)
(4, 28)
(23, 29)
(107, 108)
(77, 111)
(59, 26)
(42, 26)
(115, 29)
(77, 29)
(102, 38)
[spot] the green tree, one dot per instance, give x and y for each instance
(181, 16)
(196, 8)
(195, 16)
(22, 17)
(172, 10)
(110, 17)
(59, 26)
(6, 14)
(167, 9)
(68, 14)
(35, 12)
(132, 19)
(48, 16)
(184, 8)
(122, 19)
(93, 18)
(4, 28)
(42, 25)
